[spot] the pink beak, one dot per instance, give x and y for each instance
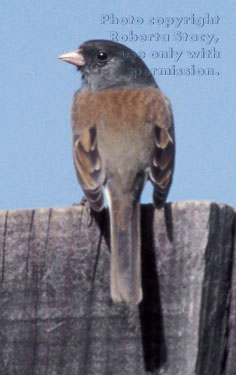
(74, 57)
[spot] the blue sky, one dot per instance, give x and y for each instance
(36, 167)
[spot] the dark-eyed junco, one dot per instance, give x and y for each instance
(123, 134)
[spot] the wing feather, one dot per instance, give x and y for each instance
(162, 166)
(88, 167)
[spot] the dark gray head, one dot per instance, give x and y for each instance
(105, 64)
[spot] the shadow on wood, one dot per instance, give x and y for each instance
(152, 327)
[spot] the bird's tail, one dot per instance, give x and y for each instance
(125, 250)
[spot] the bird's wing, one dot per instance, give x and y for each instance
(162, 166)
(88, 166)
(85, 151)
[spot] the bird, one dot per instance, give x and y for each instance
(123, 135)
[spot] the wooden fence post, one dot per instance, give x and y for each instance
(56, 314)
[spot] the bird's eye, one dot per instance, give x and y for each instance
(102, 56)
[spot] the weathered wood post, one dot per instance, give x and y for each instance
(56, 314)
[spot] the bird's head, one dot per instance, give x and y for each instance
(107, 64)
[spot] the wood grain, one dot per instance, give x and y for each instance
(56, 313)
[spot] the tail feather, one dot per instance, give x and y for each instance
(125, 253)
